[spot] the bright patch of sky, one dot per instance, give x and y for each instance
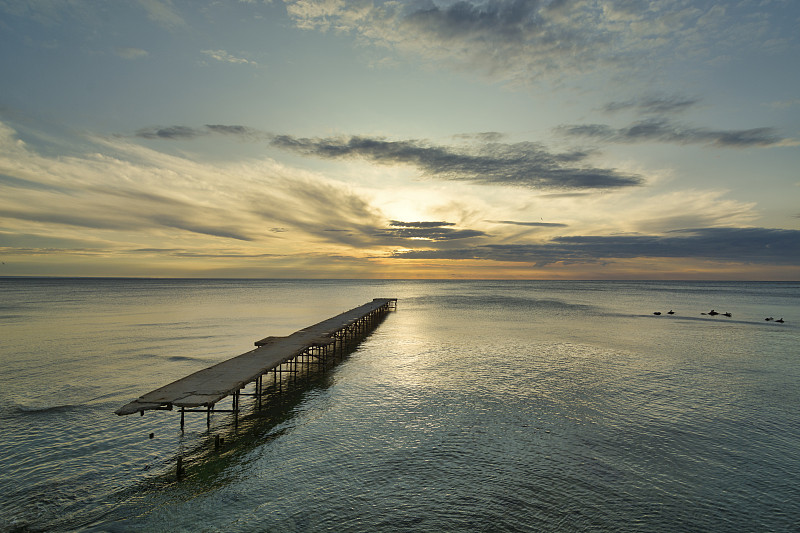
(431, 138)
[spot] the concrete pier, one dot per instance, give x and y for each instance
(316, 344)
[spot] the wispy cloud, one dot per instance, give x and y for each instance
(785, 104)
(530, 224)
(427, 231)
(238, 131)
(653, 104)
(225, 57)
(52, 13)
(486, 136)
(523, 164)
(742, 245)
(170, 133)
(162, 12)
(181, 252)
(187, 132)
(137, 193)
(663, 130)
(130, 53)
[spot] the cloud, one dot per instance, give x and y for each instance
(130, 53)
(654, 104)
(225, 57)
(10, 181)
(324, 210)
(531, 224)
(50, 13)
(487, 136)
(421, 225)
(137, 194)
(505, 39)
(238, 131)
(662, 130)
(135, 216)
(163, 13)
(9, 241)
(785, 104)
(180, 252)
(170, 132)
(184, 133)
(525, 42)
(741, 245)
(523, 164)
(427, 231)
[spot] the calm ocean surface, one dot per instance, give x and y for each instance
(476, 406)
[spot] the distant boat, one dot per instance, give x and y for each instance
(657, 313)
(713, 313)
(726, 314)
(780, 320)
(670, 312)
(769, 319)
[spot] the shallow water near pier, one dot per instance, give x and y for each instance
(475, 406)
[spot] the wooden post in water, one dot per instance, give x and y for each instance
(259, 390)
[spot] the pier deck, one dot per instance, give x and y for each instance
(210, 385)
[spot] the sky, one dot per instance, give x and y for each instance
(469, 139)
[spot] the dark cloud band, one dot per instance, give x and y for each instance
(661, 130)
(653, 105)
(742, 245)
(531, 224)
(428, 231)
(521, 164)
(183, 133)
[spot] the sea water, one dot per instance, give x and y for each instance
(475, 406)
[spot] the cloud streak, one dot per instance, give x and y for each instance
(741, 245)
(130, 52)
(523, 164)
(662, 130)
(138, 194)
(225, 57)
(185, 133)
(427, 231)
(653, 105)
(529, 224)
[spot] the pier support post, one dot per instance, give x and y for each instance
(259, 389)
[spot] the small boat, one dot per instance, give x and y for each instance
(670, 312)
(713, 313)
(657, 313)
(769, 319)
(727, 314)
(780, 320)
